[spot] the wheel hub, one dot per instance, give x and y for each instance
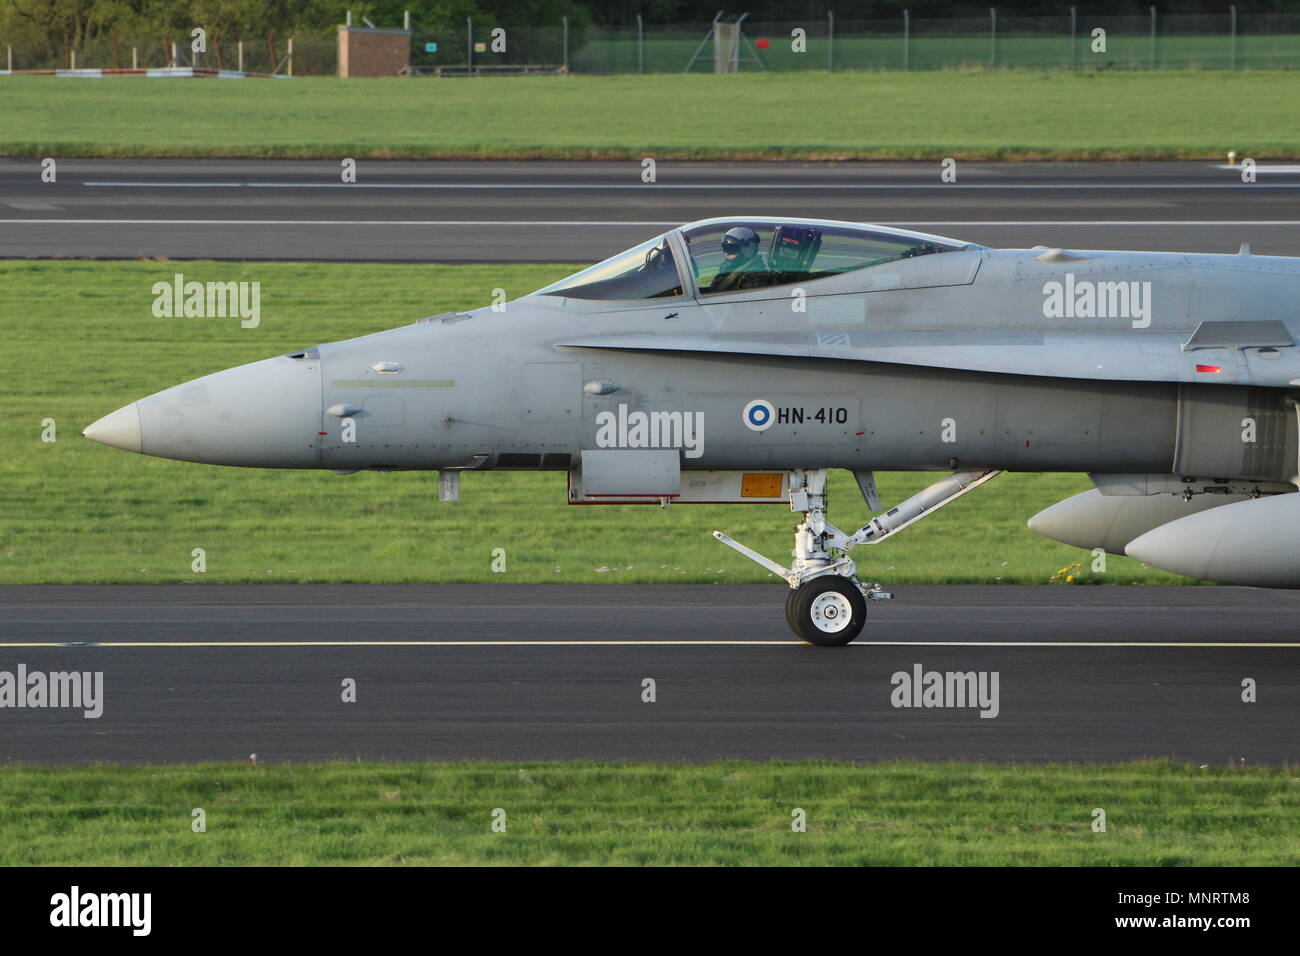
(831, 612)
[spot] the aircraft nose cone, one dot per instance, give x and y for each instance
(119, 429)
(265, 414)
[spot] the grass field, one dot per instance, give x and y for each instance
(1156, 814)
(975, 115)
(81, 340)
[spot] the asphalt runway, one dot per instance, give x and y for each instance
(582, 212)
(519, 672)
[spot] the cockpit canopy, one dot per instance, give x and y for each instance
(739, 255)
(648, 271)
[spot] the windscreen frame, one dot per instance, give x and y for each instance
(685, 280)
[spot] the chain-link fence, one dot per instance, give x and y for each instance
(1071, 41)
(310, 54)
(1079, 42)
(488, 47)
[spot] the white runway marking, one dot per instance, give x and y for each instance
(711, 643)
(691, 186)
(1263, 169)
(646, 222)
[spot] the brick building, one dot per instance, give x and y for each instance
(364, 51)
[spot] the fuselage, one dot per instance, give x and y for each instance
(974, 358)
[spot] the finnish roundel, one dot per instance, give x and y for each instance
(758, 415)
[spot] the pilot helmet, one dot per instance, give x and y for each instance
(740, 242)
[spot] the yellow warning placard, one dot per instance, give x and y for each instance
(760, 485)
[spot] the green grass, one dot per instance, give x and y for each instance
(975, 115)
(80, 340)
(898, 813)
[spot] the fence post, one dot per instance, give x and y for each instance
(830, 42)
(406, 20)
(566, 44)
(640, 45)
(1074, 41)
(290, 69)
(9, 58)
(73, 53)
(135, 58)
(907, 37)
(993, 37)
(241, 56)
(1232, 60)
(1153, 38)
(174, 59)
(469, 45)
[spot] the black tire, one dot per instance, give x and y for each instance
(834, 631)
(790, 598)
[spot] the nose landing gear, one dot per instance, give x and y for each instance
(827, 604)
(829, 611)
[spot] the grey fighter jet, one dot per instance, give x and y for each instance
(737, 360)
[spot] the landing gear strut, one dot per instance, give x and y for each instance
(827, 604)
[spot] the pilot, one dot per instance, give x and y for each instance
(742, 266)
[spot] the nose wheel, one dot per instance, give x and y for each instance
(827, 611)
(827, 604)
